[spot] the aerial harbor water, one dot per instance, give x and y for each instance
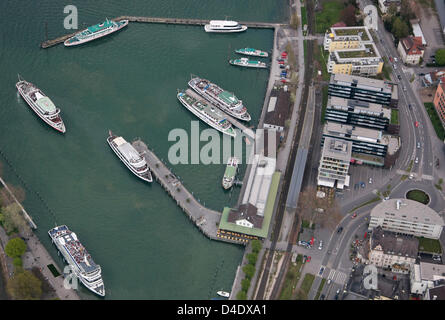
(126, 82)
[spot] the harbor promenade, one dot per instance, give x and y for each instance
(205, 219)
(195, 22)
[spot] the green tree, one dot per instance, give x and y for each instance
(400, 29)
(440, 57)
(348, 16)
(242, 295)
(245, 284)
(15, 248)
(249, 270)
(17, 262)
(24, 286)
(256, 246)
(252, 257)
(392, 10)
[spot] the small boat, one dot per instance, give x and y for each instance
(95, 32)
(245, 62)
(252, 52)
(230, 173)
(41, 104)
(223, 294)
(224, 26)
(130, 157)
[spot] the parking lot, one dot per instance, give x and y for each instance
(360, 181)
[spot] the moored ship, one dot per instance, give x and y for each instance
(246, 62)
(130, 157)
(95, 32)
(221, 98)
(206, 112)
(75, 254)
(252, 52)
(230, 173)
(224, 26)
(41, 104)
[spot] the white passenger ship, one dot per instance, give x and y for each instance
(224, 26)
(95, 32)
(130, 157)
(206, 112)
(41, 104)
(78, 258)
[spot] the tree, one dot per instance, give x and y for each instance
(14, 219)
(249, 270)
(399, 28)
(406, 12)
(245, 284)
(256, 245)
(348, 15)
(440, 57)
(242, 295)
(24, 286)
(15, 248)
(17, 262)
(322, 211)
(6, 197)
(252, 257)
(392, 10)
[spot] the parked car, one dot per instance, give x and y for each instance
(411, 176)
(370, 181)
(409, 106)
(417, 160)
(354, 215)
(320, 246)
(404, 88)
(416, 124)
(418, 145)
(399, 77)
(304, 258)
(329, 281)
(395, 59)
(322, 297)
(362, 184)
(308, 259)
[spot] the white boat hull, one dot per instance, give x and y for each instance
(94, 37)
(207, 28)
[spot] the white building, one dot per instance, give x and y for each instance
(334, 163)
(425, 276)
(407, 217)
(411, 49)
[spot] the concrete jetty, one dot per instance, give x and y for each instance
(196, 22)
(205, 219)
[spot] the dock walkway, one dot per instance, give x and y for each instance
(196, 22)
(205, 219)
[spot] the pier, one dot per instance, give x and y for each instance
(205, 219)
(194, 22)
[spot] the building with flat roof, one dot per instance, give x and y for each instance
(439, 102)
(425, 275)
(363, 60)
(346, 38)
(363, 89)
(417, 31)
(437, 293)
(391, 250)
(334, 163)
(407, 217)
(360, 113)
(368, 146)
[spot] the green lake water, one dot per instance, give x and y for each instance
(126, 82)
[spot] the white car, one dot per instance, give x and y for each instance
(395, 59)
(417, 160)
(320, 246)
(370, 181)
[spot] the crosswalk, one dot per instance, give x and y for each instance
(337, 276)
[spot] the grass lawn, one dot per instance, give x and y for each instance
(291, 280)
(303, 16)
(321, 58)
(324, 102)
(435, 120)
(429, 245)
(320, 288)
(328, 16)
(418, 195)
(305, 286)
(386, 70)
(394, 116)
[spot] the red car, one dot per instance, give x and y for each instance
(354, 215)
(308, 259)
(416, 123)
